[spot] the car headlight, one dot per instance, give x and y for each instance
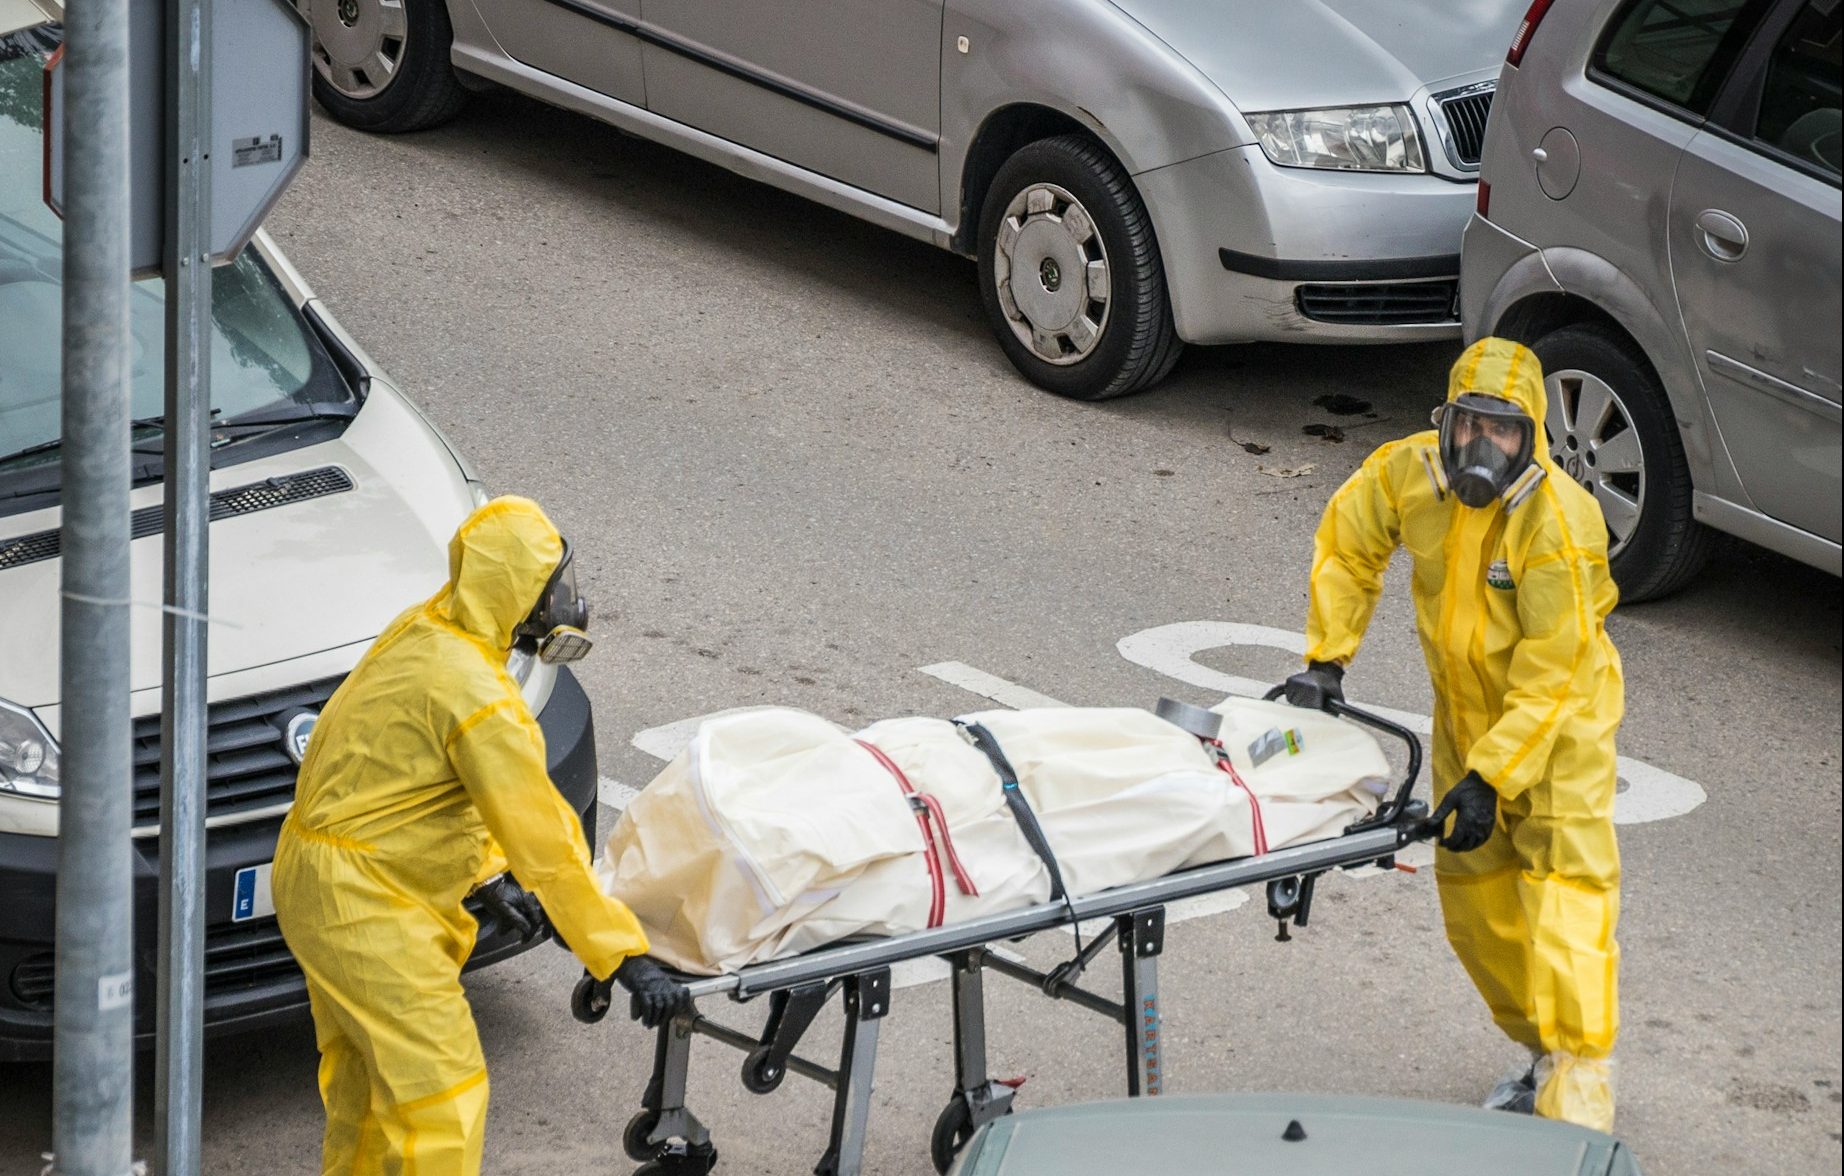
(1350, 138)
(28, 755)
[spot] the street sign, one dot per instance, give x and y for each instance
(258, 119)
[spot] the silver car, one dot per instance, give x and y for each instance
(1659, 219)
(1132, 175)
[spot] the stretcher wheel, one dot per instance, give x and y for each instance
(953, 1128)
(760, 1074)
(589, 1000)
(634, 1137)
(681, 1159)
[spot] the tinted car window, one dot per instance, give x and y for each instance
(1677, 50)
(1800, 103)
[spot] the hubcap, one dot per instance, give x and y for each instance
(1051, 271)
(1592, 439)
(358, 44)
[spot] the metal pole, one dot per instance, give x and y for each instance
(92, 1074)
(179, 1044)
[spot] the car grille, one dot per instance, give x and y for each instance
(246, 768)
(1465, 112)
(238, 956)
(243, 955)
(1379, 303)
(151, 520)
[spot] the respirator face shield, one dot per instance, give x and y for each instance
(557, 622)
(1486, 445)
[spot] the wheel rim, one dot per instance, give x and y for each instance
(1051, 270)
(358, 44)
(1592, 440)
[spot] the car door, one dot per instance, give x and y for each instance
(847, 88)
(589, 42)
(1753, 235)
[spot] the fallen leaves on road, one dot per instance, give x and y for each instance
(1254, 447)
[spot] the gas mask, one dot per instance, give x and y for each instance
(557, 622)
(1486, 444)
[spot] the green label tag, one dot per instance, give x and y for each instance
(1499, 575)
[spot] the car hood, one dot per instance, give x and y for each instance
(1313, 53)
(288, 580)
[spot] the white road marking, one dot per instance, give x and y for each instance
(989, 686)
(1653, 794)
(1169, 649)
(1648, 793)
(667, 741)
(614, 793)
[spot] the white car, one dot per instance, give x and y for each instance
(332, 503)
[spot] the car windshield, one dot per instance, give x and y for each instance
(264, 356)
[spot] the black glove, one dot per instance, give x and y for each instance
(1312, 686)
(510, 907)
(657, 997)
(1474, 807)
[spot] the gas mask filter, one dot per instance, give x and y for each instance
(1486, 444)
(557, 622)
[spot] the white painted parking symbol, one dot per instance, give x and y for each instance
(1647, 793)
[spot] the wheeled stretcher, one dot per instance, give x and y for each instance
(669, 1140)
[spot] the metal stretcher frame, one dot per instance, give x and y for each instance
(669, 1139)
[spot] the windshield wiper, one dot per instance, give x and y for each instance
(262, 424)
(55, 443)
(30, 450)
(305, 415)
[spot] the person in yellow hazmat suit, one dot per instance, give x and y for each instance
(1511, 591)
(425, 772)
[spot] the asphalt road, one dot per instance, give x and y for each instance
(798, 470)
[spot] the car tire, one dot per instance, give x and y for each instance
(1600, 389)
(1061, 204)
(383, 65)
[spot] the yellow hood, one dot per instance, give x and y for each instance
(1501, 368)
(498, 562)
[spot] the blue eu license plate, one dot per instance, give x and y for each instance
(252, 899)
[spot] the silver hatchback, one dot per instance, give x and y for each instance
(1659, 218)
(1132, 175)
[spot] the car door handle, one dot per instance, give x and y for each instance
(1721, 235)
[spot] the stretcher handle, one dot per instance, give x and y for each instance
(1394, 807)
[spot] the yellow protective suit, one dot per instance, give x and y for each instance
(425, 765)
(1510, 601)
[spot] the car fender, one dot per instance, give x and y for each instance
(1086, 60)
(1589, 277)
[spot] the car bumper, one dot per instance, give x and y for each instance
(251, 981)
(1258, 252)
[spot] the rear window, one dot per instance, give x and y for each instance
(1800, 104)
(1677, 51)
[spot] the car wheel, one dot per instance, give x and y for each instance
(1610, 427)
(382, 65)
(1070, 273)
